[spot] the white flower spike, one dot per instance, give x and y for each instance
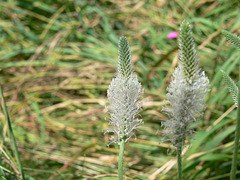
(124, 96)
(186, 92)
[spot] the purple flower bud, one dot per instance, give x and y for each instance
(172, 35)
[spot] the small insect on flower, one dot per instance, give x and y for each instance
(124, 97)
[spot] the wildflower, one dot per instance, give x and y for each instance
(232, 87)
(124, 95)
(186, 91)
(234, 39)
(172, 35)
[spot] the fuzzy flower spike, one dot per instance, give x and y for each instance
(186, 93)
(124, 95)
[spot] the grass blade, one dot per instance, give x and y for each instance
(11, 133)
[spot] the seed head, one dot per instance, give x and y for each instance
(125, 66)
(186, 91)
(234, 39)
(232, 87)
(124, 96)
(187, 52)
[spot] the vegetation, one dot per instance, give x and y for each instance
(57, 59)
(233, 88)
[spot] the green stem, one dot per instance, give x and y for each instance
(120, 160)
(179, 157)
(237, 135)
(11, 133)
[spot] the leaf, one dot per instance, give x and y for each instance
(215, 157)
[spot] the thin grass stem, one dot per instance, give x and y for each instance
(179, 159)
(120, 160)
(11, 133)
(236, 143)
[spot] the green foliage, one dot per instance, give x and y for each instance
(234, 39)
(63, 59)
(232, 87)
(125, 66)
(5, 110)
(236, 96)
(187, 52)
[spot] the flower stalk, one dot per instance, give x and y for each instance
(120, 160)
(234, 89)
(186, 94)
(236, 144)
(124, 96)
(179, 158)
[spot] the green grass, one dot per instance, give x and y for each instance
(57, 60)
(16, 152)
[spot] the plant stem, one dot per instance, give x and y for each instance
(120, 160)
(237, 135)
(11, 133)
(179, 157)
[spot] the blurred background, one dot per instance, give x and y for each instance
(57, 59)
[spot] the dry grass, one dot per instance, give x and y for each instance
(57, 60)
